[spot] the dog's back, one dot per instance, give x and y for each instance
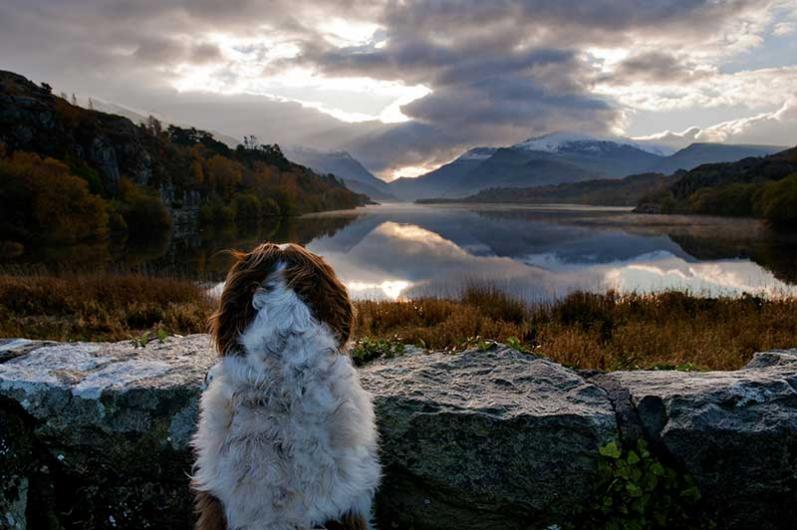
(286, 437)
(289, 444)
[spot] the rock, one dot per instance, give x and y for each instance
(495, 439)
(111, 424)
(95, 435)
(734, 432)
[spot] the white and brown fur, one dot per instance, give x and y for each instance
(287, 437)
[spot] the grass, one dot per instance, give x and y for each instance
(595, 331)
(99, 307)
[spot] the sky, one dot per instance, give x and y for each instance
(405, 86)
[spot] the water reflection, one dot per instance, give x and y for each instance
(538, 253)
(410, 251)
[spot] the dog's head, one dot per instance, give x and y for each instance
(270, 275)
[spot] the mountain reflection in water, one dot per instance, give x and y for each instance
(542, 252)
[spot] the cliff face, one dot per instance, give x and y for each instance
(96, 435)
(32, 119)
(184, 167)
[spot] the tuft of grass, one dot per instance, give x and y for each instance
(670, 330)
(608, 331)
(98, 307)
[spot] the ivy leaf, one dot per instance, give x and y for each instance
(633, 489)
(610, 450)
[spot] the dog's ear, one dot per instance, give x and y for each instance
(316, 283)
(235, 310)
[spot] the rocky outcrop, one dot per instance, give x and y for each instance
(95, 435)
(486, 440)
(736, 433)
(33, 119)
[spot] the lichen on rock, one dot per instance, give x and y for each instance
(95, 435)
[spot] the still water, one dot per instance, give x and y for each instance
(536, 252)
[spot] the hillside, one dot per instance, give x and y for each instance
(341, 164)
(436, 183)
(604, 192)
(703, 153)
(761, 187)
(560, 158)
(70, 173)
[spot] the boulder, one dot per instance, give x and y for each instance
(494, 439)
(98, 433)
(95, 435)
(485, 440)
(734, 432)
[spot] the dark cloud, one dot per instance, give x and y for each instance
(498, 70)
(656, 67)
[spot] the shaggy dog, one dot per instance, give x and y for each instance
(286, 437)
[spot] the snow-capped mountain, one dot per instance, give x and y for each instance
(569, 142)
(563, 157)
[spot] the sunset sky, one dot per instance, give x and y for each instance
(405, 86)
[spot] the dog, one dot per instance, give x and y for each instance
(287, 437)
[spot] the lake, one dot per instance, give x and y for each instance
(538, 252)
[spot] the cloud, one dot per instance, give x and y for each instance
(784, 28)
(464, 72)
(656, 67)
(778, 127)
(751, 89)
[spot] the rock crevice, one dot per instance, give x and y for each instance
(95, 435)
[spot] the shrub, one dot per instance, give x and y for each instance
(735, 200)
(43, 201)
(143, 212)
(639, 491)
(216, 213)
(777, 202)
(247, 208)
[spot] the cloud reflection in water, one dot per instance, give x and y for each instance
(410, 251)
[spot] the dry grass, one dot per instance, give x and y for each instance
(606, 332)
(99, 307)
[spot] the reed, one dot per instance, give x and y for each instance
(670, 330)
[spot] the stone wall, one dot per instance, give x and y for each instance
(95, 435)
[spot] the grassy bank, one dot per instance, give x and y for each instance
(607, 331)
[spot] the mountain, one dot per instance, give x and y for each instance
(68, 173)
(544, 160)
(754, 186)
(704, 153)
(560, 158)
(142, 117)
(447, 176)
(604, 192)
(341, 164)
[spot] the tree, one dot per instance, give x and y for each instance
(143, 212)
(224, 174)
(251, 142)
(777, 201)
(43, 201)
(154, 125)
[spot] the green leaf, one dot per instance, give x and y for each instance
(691, 493)
(633, 489)
(610, 450)
(633, 458)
